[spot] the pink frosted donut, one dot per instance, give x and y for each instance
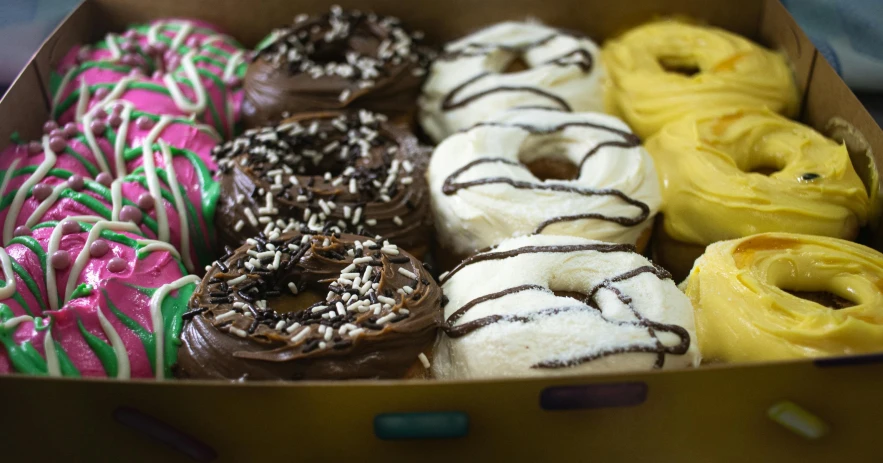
(170, 66)
(100, 171)
(91, 298)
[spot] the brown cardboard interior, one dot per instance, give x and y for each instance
(686, 415)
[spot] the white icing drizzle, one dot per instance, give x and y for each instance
(119, 147)
(64, 81)
(45, 205)
(157, 319)
(93, 143)
(22, 192)
(51, 247)
(114, 94)
(52, 366)
(119, 349)
(8, 275)
(179, 205)
(232, 63)
(153, 185)
(194, 107)
(84, 255)
(116, 197)
(82, 99)
(183, 33)
(7, 176)
(113, 47)
(15, 321)
(149, 246)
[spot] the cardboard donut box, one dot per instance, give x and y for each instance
(823, 410)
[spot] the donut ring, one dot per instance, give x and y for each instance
(170, 66)
(87, 297)
(99, 168)
(648, 87)
(380, 312)
(483, 191)
(777, 296)
(555, 305)
(467, 83)
(332, 171)
(341, 59)
(711, 192)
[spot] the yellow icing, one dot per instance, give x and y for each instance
(732, 71)
(711, 192)
(743, 312)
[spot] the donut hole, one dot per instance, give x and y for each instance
(545, 159)
(516, 64)
(582, 297)
(824, 298)
(679, 65)
(763, 166)
(290, 303)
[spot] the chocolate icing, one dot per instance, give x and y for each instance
(629, 140)
(234, 332)
(360, 194)
(591, 304)
(342, 59)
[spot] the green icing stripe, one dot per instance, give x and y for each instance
(82, 290)
(147, 338)
(102, 350)
(75, 95)
(65, 364)
(93, 171)
(31, 284)
(173, 308)
(32, 245)
(19, 355)
(34, 356)
(206, 59)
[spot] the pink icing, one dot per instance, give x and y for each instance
(151, 271)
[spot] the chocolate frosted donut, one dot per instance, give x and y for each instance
(262, 311)
(342, 59)
(341, 172)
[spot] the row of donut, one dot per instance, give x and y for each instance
(288, 190)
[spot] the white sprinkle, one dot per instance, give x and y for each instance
(280, 325)
(353, 188)
(397, 220)
(407, 289)
(251, 218)
(347, 212)
(365, 287)
(293, 327)
(329, 334)
(362, 260)
(408, 166)
(424, 360)
(386, 318)
(322, 345)
(237, 280)
(239, 225)
(386, 300)
(371, 222)
(367, 275)
(349, 275)
(301, 335)
(292, 287)
(277, 260)
(340, 308)
(404, 311)
(264, 254)
(319, 308)
(239, 305)
(238, 332)
(322, 329)
(391, 250)
(344, 95)
(346, 297)
(326, 243)
(357, 216)
(356, 332)
(345, 281)
(407, 180)
(407, 273)
(225, 316)
(377, 310)
(370, 243)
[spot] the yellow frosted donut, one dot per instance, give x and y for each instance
(741, 172)
(780, 296)
(661, 71)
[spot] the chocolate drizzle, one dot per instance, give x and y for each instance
(579, 57)
(652, 327)
(629, 140)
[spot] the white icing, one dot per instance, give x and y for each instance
(119, 148)
(51, 247)
(85, 255)
(150, 174)
(93, 143)
(22, 192)
(583, 91)
(480, 216)
(82, 100)
(52, 366)
(179, 205)
(192, 74)
(116, 197)
(511, 348)
(44, 206)
(113, 47)
(15, 321)
(124, 369)
(157, 319)
(114, 94)
(148, 246)
(8, 290)
(56, 99)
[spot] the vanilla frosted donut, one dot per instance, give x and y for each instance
(555, 305)
(468, 83)
(483, 191)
